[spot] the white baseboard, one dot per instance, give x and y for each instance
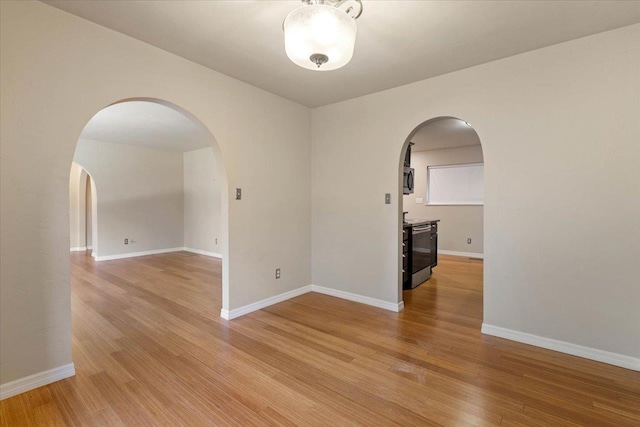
(564, 347)
(359, 298)
(89, 248)
(201, 252)
(464, 254)
(78, 249)
(36, 380)
(154, 252)
(137, 254)
(237, 312)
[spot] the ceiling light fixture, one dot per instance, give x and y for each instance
(321, 34)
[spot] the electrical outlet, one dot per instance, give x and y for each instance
(387, 198)
(469, 241)
(126, 241)
(216, 241)
(238, 193)
(277, 273)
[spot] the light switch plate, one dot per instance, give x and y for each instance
(387, 198)
(238, 193)
(419, 200)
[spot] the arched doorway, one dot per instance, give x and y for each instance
(83, 213)
(442, 210)
(212, 144)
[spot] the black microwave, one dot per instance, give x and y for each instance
(407, 181)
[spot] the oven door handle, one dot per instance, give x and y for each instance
(421, 230)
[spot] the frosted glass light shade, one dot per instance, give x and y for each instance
(319, 30)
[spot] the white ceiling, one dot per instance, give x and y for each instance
(443, 133)
(398, 42)
(146, 124)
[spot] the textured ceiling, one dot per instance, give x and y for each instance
(398, 42)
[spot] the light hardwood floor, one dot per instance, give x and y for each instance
(150, 349)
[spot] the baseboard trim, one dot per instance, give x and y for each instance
(78, 249)
(237, 312)
(603, 356)
(396, 307)
(464, 254)
(40, 379)
(154, 252)
(201, 252)
(137, 254)
(241, 311)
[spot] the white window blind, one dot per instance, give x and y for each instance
(455, 185)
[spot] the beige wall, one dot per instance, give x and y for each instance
(457, 223)
(202, 201)
(140, 196)
(158, 199)
(560, 132)
(56, 72)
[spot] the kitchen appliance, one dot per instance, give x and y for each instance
(424, 251)
(407, 182)
(420, 254)
(406, 256)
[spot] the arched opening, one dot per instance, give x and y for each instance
(83, 213)
(442, 216)
(114, 213)
(91, 217)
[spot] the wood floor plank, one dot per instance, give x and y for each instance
(150, 349)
